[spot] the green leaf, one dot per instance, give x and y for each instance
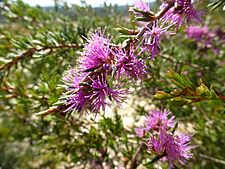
(178, 101)
(187, 81)
(144, 13)
(162, 95)
(203, 91)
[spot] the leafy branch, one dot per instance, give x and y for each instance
(186, 92)
(216, 4)
(30, 52)
(146, 17)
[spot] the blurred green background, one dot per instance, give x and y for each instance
(35, 50)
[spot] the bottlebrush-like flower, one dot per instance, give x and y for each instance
(72, 79)
(76, 102)
(159, 119)
(101, 90)
(89, 93)
(203, 37)
(151, 38)
(159, 129)
(129, 65)
(96, 52)
(175, 149)
(182, 9)
(93, 84)
(74, 98)
(197, 32)
(156, 120)
(141, 5)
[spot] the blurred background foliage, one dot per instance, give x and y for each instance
(37, 47)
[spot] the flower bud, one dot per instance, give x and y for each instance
(162, 95)
(179, 101)
(203, 90)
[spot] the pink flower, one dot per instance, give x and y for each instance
(181, 10)
(76, 102)
(96, 52)
(203, 36)
(151, 38)
(74, 98)
(175, 149)
(156, 120)
(129, 65)
(93, 84)
(162, 142)
(197, 32)
(159, 119)
(101, 91)
(141, 5)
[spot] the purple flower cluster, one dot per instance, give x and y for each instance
(103, 65)
(203, 36)
(162, 142)
(173, 12)
(197, 32)
(96, 52)
(151, 38)
(140, 5)
(98, 77)
(180, 11)
(129, 65)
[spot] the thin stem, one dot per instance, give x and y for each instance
(160, 15)
(221, 97)
(156, 159)
(163, 12)
(134, 164)
(30, 52)
(212, 159)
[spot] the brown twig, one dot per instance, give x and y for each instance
(212, 159)
(134, 163)
(221, 97)
(163, 12)
(160, 15)
(30, 52)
